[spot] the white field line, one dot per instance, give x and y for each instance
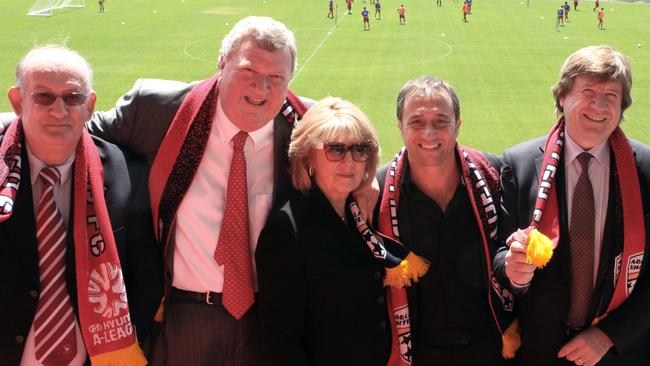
(322, 42)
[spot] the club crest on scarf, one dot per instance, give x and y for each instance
(403, 323)
(107, 291)
(633, 271)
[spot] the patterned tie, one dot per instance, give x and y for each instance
(233, 248)
(581, 237)
(54, 323)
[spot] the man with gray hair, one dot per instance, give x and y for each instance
(585, 187)
(74, 226)
(217, 151)
(440, 199)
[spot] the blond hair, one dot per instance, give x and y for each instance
(330, 120)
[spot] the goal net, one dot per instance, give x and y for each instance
(46, 7)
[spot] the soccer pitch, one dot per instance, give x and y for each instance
(502, 62)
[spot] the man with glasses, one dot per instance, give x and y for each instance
(440, 199)
(74, 226)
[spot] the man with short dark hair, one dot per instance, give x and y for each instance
(440, 199)
(585, 186)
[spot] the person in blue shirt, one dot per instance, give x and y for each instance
(560, 18)
(366, 21)
(567, 7)
(377, 9)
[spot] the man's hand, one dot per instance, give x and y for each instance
(587, 348)
(366, 198)
(518, 270)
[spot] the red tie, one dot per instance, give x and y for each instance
(233, 248)
(54, 323)
(581, 238)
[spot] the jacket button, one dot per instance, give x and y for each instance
(380, 300)
(19, 339)
(33, 294)
(377, 276)
(382, 325)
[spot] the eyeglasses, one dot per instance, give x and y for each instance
(47, 98)
(335, 151)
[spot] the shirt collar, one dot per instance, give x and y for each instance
(226, 130)
(36, 165)
(571, 151)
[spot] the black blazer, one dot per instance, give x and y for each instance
(141, 118)
(141, 259)
(544, 310)
(321, 298)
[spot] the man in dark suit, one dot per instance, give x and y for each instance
(446, 198)
(74, 226)
(189, 133)
(586, 189)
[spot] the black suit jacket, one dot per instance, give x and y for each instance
(544, 310)
(321, 299)
(142, 117)
(141, 259)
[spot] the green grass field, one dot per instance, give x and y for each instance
(502, 62)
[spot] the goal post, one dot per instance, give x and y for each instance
(47, 7)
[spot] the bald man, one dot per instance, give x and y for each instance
(75, 226)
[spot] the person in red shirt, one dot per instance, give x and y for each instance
(601, 17)
(402, 14)
(465, 11)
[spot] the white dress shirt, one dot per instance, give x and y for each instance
(199, 215)
(62, 193)
(599, 177)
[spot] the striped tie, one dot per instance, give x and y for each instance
(54, 323)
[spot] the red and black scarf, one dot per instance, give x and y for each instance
(104, 317)
(181, 151)
(546, 217)
(481, 181)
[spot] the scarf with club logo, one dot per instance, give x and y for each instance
(482, 183)
(181, 151)
(104, 318)
(629, 208)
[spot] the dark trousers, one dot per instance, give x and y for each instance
(197, 334)
(482, 352)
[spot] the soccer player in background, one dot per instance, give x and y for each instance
(402, 14)
(601, 18)
(366, 20)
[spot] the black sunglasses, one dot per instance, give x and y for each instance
(47, 98)
(335, 151)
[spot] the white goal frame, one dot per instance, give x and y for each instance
(46, 7)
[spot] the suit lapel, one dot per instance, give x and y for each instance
(21, 227)
(281, 136)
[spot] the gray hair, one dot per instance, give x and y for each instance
(54, 56)
(268, 34)
(603, 62)
(427, 86)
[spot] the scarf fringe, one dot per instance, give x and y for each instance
(539, 249)
(411, 268)
(130, 356)
(511, 340)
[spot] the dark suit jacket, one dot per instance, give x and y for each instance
(321, 299)
(142, 116)
(544, 310)
(141, 259)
